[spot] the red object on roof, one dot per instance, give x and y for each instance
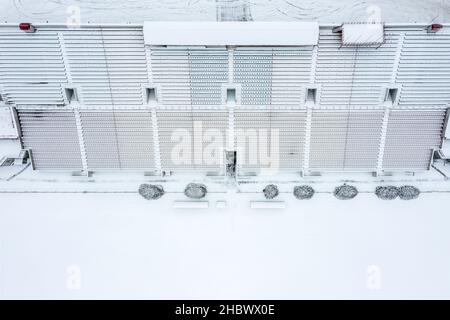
(436, 26)
(27, 27)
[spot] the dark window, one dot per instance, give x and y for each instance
(311, 95)
(71, 95)
(391, 95)
(231, 95)
(150, 95)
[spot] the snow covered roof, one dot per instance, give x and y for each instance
(232, 33)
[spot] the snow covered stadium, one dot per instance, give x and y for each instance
(350, 97)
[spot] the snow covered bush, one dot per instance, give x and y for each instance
(387, 192)
(195, 191)
(271, 191)
(409, 193)
(345, 192)
(150, 191)
(303, 192)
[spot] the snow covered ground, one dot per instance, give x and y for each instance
(121, 246)
(262, 10)
(77, 237)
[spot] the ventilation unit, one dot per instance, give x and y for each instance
(27, 27)
(435, 27)
(361, 34)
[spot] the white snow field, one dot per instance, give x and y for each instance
(76, 237)
(126, 247)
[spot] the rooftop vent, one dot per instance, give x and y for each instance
(27, 27)
(435, 27)
(361, 34)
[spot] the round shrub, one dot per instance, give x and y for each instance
(345, 192)
(387, 192)
(303, 192)
(195, 191)
(271, 191)
(150, 191)
(409, 193)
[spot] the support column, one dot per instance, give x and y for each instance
(231, 105)
(81, 139)
(156, 144)
(307, 146)
(384, 126)
(309, 112)
(388, 104)
(75, 105)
